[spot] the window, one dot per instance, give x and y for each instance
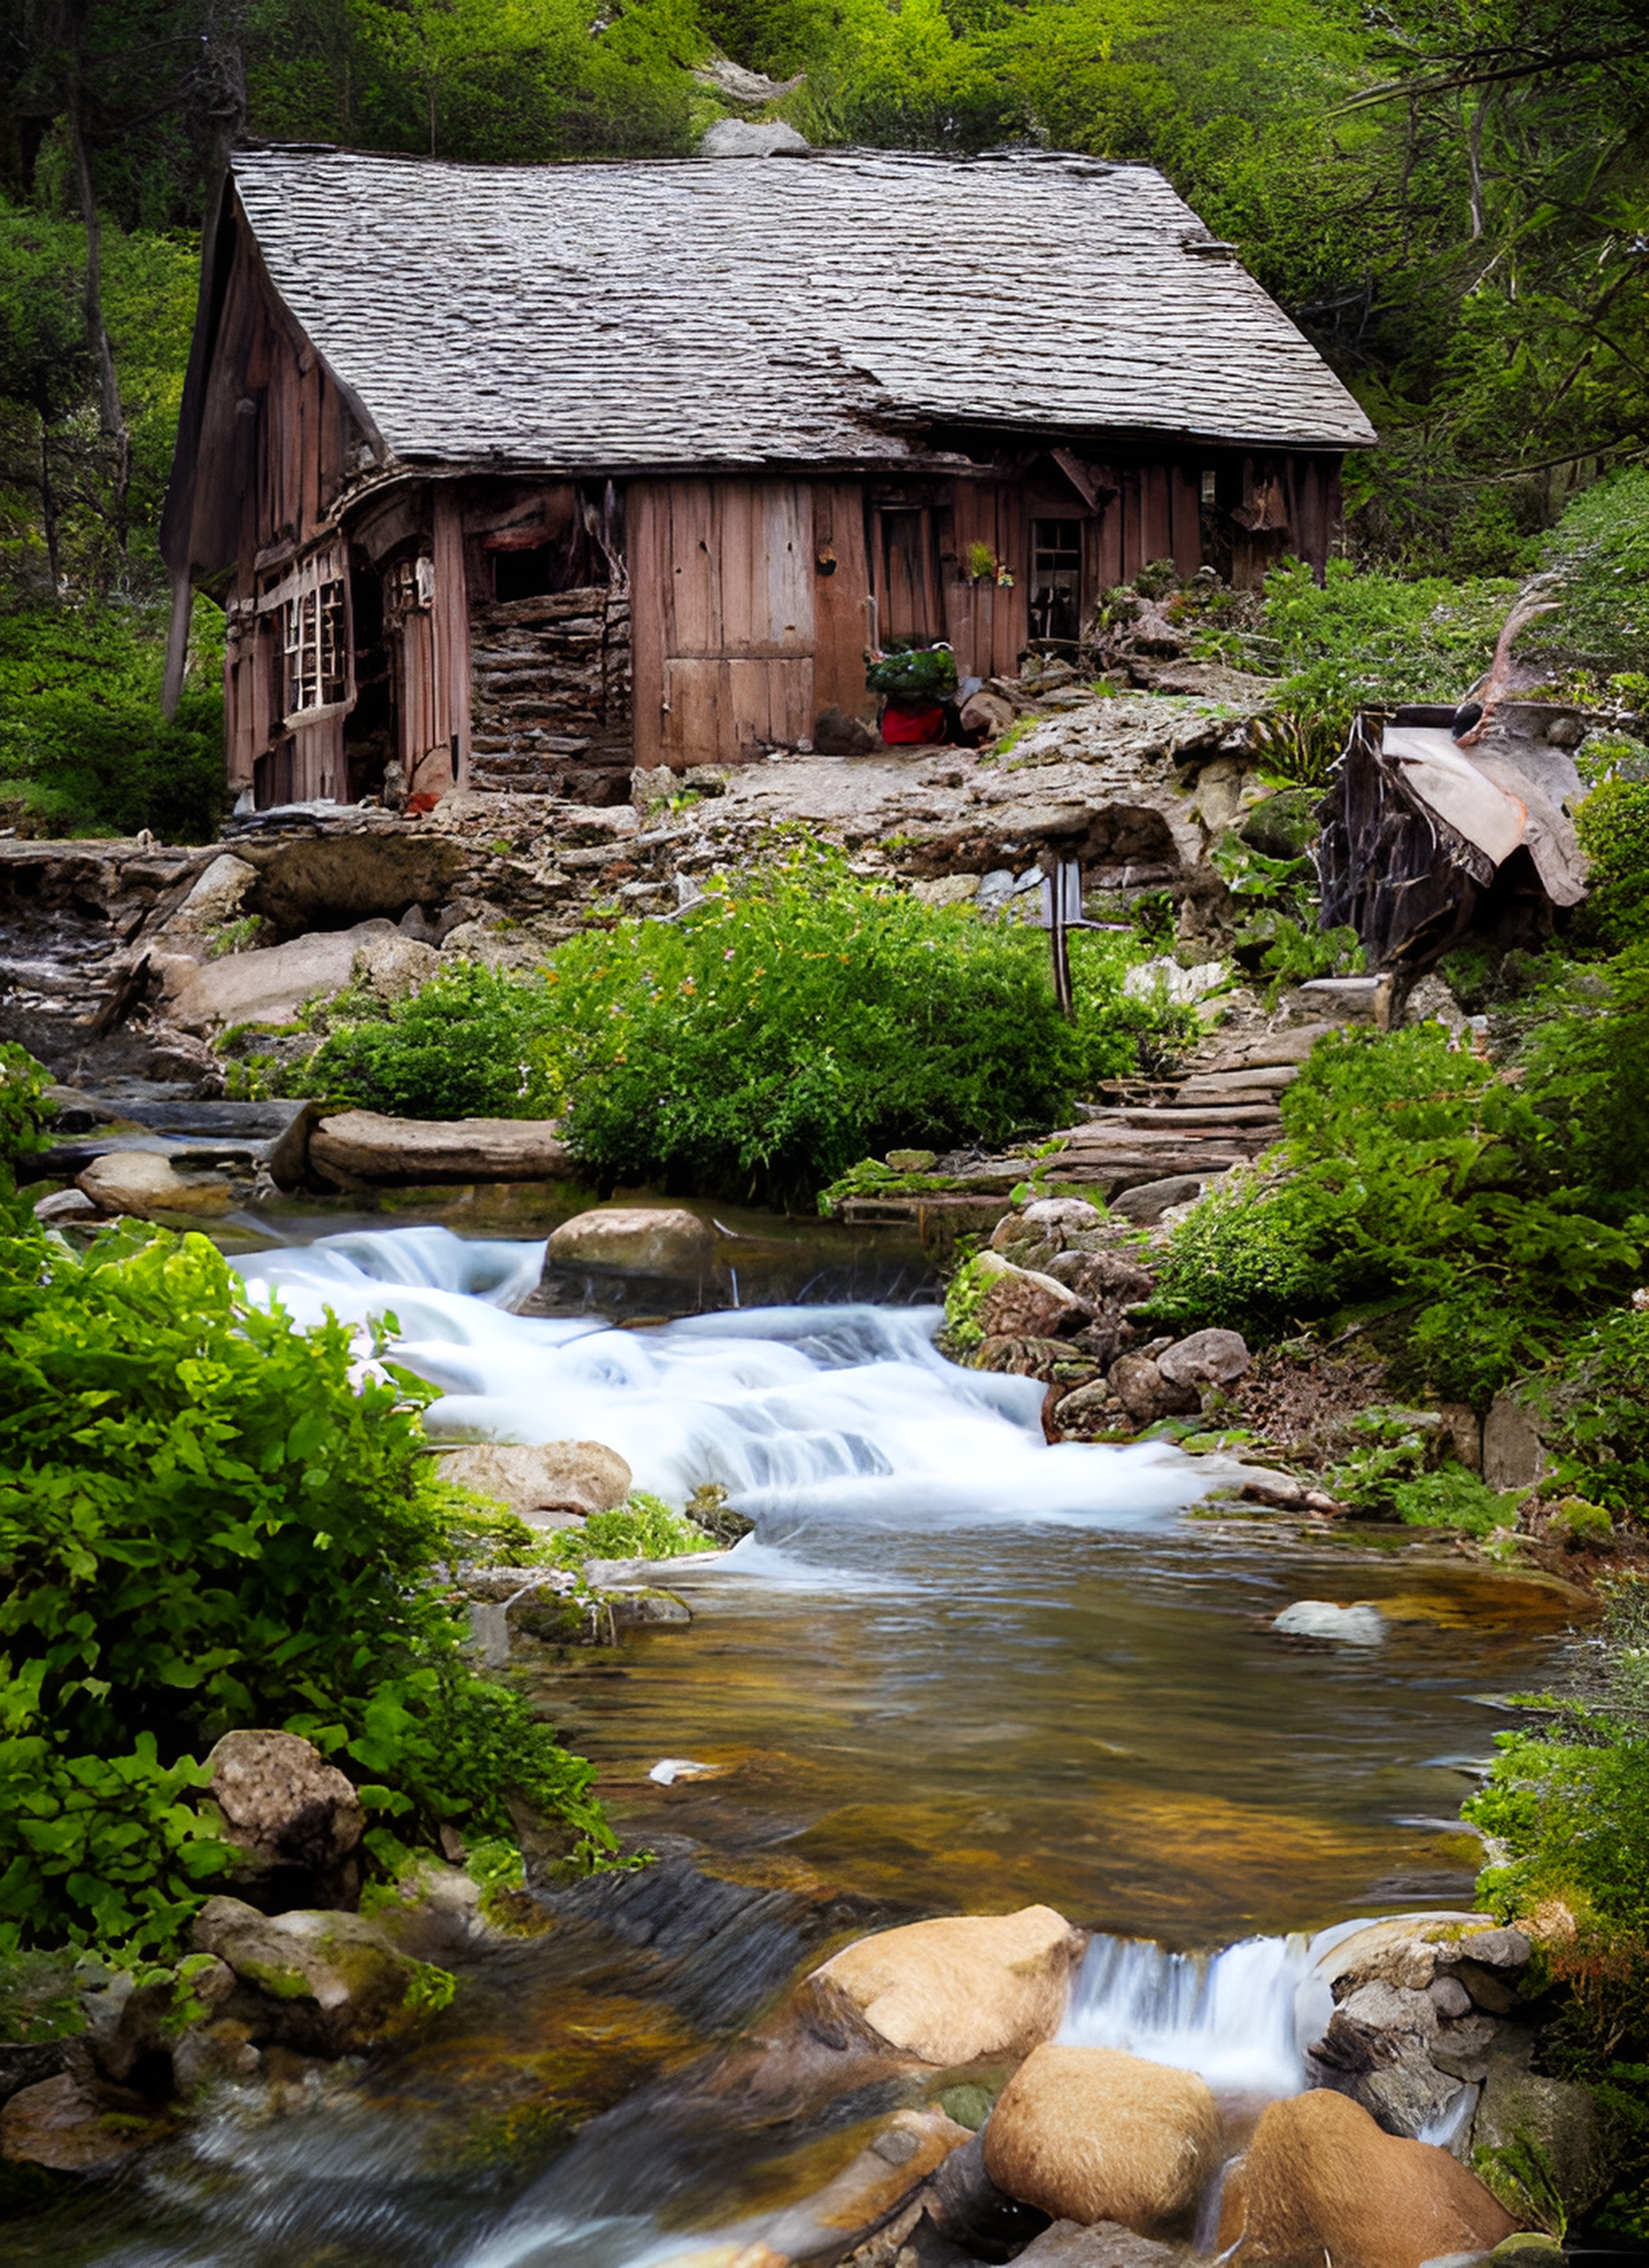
(314, 654)
(1056, 601)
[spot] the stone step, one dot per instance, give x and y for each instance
(1213, 1115)
(1222, 1085)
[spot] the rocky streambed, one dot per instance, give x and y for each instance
(956, 1671)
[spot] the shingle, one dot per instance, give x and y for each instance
(728, 312)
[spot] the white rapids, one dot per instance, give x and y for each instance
(785, 1407)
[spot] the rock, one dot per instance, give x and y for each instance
(1020, 1303)
(1513, 1456)
(1321, 2179)
(647, 1240)
(1213, 1358)
(1488, 1988)
(1382, 2007)
(952, 1991)
(913, 2145)
(270, 985)
(359, 1147)
(1408, 2096)
(1091, 2134)
(1522, 2115)
(1529, 2247)
(1464, 1430)
(1181, 986)
(70, 2127)
(211, 2052)
(1068, 1215)
(911, 1161)
(1144, 1392)
(284, 1805)
(64, 1204)
(742, 137)
(578, 1477)
(1449, 1997)
(1499, 1948)
(396, 965)
(985, 715)
(966, 2205)
(947, 890)
(326, 1983)
(1358, 1626)
(215, 898)
(1068, 2244)
(1146, 1202)
(144, 1182)
(1088, 1409)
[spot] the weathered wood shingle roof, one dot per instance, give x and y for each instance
(738, 311)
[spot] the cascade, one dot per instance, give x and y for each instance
(791, 1409)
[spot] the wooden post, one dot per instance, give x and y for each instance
(1062, 905)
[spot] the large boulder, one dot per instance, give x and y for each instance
(951, 1991)
(1146, 1395)
(1521, 2107)
(1022, 1303)
(1210, 1357)
(556, 1477)
(271, 985)
(215, 898)
(1107, 2244)
(284, 1806)
(68, 2126)
(1321, 2179)
(630, 1258)
(363, 1146)
(323, 1982)
(147, 1182)
(1092, 2134)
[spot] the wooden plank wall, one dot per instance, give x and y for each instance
(984, 622)
(842, 614)
(722, 577)
(449, 628)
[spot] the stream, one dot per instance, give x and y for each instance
(955, 1669)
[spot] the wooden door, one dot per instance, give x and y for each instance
(722, 594)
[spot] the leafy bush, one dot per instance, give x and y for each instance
(1598, 552)
(84, 747)
(458, 1049)
(1410, 1176)
(1613, 825)
(910, 669)
(642, 1528)
(764, 1043)
(1594, 1407)
(22, 1084)
(1585, 1059)
(1567, 1803)
(207, 1522)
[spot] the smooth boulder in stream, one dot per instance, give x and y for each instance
(1092, 2134)
(1320, 2178)
(952, 1991)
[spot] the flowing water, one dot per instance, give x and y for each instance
(955, 1669)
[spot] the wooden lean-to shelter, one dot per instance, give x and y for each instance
(521, 476)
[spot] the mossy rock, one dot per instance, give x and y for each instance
(1285, 825)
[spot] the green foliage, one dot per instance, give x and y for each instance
(1594, 1405)
(82, 743)
(458, 1049)
(1410, 1177)
(1453, 1497)
(1293, 956)
(205, 1522)
(910, 669)
(1598, 552)
(806, 1020)
(1587, 1073)
(23, 1107)
(1613, 825)
(643, 1527)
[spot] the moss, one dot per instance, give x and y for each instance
(280, 1983)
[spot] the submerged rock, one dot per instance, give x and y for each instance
(69, 2126)
(952, 1991)
(630, 1258)
(323, 1982)
(1358, 1626)
(1321, 2179)
(1092, 2134)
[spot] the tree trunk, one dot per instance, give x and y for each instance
(111, 415)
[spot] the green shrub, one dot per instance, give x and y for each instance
(1598, 552)
(205, 1522)
(763, 1046)
(83, 742)
(1451, 1497)
(22, 1084)
(458, 1049)
(1613, 825)
(642, 1528)
(1410, 1176)
(1586, 1062)
(1594, 1410)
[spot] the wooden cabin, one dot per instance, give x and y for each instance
(522, 475)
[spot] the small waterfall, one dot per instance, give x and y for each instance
(1243, 2018)
(837, 1411)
